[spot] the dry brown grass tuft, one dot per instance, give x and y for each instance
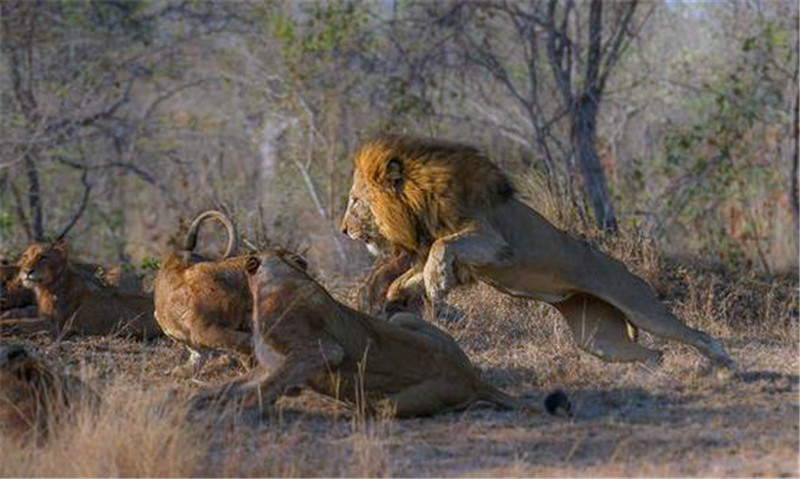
(131, 434)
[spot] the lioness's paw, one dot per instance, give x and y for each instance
(438, 273)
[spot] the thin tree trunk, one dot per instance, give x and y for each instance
(34, 198)
(584, 130)
(584, 139)
(795, 164)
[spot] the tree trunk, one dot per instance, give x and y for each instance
(34, 198)
(795, 164)
(584, 140)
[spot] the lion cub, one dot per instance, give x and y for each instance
(306, 339)
(204, 304)
(70, 302)
(34, 397)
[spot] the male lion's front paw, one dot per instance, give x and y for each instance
(438, 274)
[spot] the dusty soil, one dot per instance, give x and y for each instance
(678, 420)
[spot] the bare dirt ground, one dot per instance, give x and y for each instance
(677, 420)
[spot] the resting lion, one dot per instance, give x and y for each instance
(69, 301)
(204, 304)
(16, 301)
(306, 339)
(451, 206)
(34, 397)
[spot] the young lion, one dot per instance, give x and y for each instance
(204, 304)
(16, 301)
(69, 302)
(34, 397)
(305, 338)
(455, 209)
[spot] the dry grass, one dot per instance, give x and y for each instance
(677, 420)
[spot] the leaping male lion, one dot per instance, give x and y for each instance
(456, 211)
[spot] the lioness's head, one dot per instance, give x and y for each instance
(20, 375)
(34, 395)
(17, 365)
(42, 264)
(276, 268)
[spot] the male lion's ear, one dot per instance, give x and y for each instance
(394, 174)
(252, 264)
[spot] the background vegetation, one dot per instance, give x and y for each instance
(122, 118)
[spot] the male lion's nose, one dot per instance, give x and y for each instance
(344, 229)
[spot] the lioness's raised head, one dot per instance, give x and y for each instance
(33, 395)
(277, 267)
(43, 264)
(412, 190)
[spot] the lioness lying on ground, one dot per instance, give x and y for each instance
(16, 301)
(204, 304)
(69, 302)
(453, 208)
(306, 339)
(34, 397)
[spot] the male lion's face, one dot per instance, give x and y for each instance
(359, 222)
(42, 264)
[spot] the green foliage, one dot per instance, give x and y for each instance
(721, 162)
(150, 263)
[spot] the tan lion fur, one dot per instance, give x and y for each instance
(204, 304)
(71, 302)
(304, 338)
(452, 206)
(16, 301)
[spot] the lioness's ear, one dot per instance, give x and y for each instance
(394, 173)
(62, 246)
(252, 264)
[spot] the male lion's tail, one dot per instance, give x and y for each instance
(191, 236)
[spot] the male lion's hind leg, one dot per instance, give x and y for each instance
(602, 330)
(634, 298)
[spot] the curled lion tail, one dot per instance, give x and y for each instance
(191, 236)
